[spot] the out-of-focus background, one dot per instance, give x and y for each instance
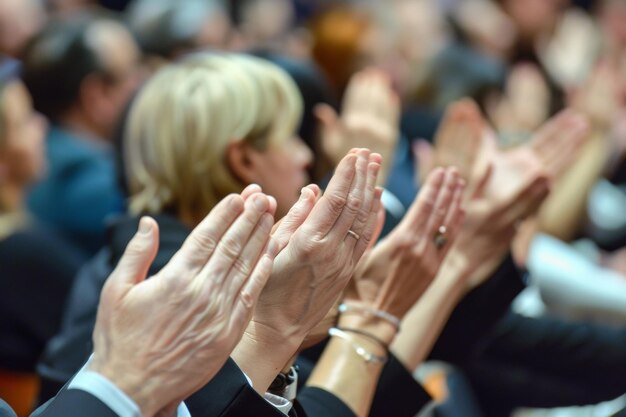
(522, 61)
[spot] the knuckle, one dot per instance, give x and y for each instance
(204, 241)
(242, 266)
(336, 202)
(354, 203)
(230, 248)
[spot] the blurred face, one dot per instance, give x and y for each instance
(19, 21)
(22, 151)
(282, 172)
(120, 56)
(534, 17)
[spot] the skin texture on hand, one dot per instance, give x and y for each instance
(159, 340)
(503, 187)
(391, 278)
(315, 260)
(370, 117)
(397, 271)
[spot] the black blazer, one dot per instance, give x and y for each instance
(74, 403)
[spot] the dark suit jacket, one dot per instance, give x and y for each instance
(74, 403)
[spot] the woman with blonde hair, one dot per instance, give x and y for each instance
(234, 117)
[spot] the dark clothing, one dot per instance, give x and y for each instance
(37, 270)
(548, 362)
(79, 192)
(74, 403)
(229, 394)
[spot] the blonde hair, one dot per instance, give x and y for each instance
(184, 119)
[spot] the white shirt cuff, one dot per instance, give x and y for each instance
(105, 391)
(113, 397)
(282, 404)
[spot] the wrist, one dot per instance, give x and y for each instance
(133, 384)
(277, 351)
(378, 328)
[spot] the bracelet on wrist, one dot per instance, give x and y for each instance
(383, 315)
(358, 349)
(367, 335)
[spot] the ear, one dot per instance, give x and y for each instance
(241, 159)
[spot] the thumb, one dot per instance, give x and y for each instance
(139, 254)
(424, 154)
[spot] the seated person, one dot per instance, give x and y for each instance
(94, 71)
(37, 266)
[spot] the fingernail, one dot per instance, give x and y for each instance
(260, 203)
(144, 226)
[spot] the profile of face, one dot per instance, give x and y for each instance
(105, 95)
(281, 169)
(22, 149)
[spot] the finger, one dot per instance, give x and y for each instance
(249, 295)
(202, 241)
(247, 260)
(373, 227)
(455, 206)
(356, 197)
(454, 219)
(232, 243)
(373, 169)
(424, 155)
(380, 92)
(331, 204)
(250, 190)
(139, 254)
(424, 202)
(444, 202)
(294, 219)
(353, 97)
(273, 205)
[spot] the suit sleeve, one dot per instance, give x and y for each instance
(229, 394)
(398, 394)
(477, 314)
(316, 402)
(74, 403)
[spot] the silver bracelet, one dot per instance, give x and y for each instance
(360, 350)
(345, 308)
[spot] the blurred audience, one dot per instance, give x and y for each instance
(470, 151)
(94, 64)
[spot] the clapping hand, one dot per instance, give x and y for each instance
(317, 245)
(396, 272)
(161, 339)
(370, 117)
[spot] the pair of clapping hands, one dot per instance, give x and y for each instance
(237, 273)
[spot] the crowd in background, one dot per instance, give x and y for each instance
(115, 109)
